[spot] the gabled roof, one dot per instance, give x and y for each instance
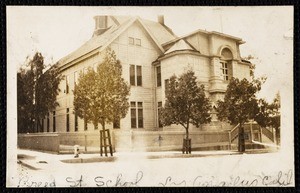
(156, 31)
(180, 45)
(239, 40)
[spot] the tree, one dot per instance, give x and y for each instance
(102, 96)
(185, 103)
(269, 115)
(37, 89)
(240, 104)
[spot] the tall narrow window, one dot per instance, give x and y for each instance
(54, 122)
(131, 41)
(158, 76)
(139, 76)
(140, 115)
(132, 75)
(76, 122)
(133, 114)
(159, 106)
(224, 70)
(48, 123)
(68, 120)
(67, 84)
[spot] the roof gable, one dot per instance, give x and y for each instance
(157, 32)
(180, 45)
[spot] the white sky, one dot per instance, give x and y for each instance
(57, 31)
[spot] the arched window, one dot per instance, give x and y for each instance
(226, 64)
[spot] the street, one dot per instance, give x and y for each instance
(211, 168)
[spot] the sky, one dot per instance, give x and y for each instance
(55, 31)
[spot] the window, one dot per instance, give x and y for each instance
(116, 124)
(139, 76)
(135, 78)
(48, 123)
(136, 112)
(133, 114)
(68, 120)
(137, 42)
(158, 76)
(132, 75)
(224, 70)
(159, 106)
(54, 122)
(67, 84)
(76, 122)
(140, 115)
(131, 41)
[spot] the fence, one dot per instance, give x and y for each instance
(125, 140)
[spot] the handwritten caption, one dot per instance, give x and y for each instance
(281, 178)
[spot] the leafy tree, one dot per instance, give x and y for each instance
(37, 89)
(186, 103)
(240, 104)
(102, 96)
(269, 115)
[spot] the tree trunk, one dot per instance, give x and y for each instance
(241, 139)
(186, 133)
(186, 147)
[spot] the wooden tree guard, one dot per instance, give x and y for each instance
(187, 146)
(104, 135)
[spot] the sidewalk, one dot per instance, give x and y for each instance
(36, 160)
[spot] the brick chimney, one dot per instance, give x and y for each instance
(100, 24)
(161, 19)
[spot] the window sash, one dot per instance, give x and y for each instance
(140, 118)
(224, 70)
(133, 117)
(139, 75)
(132, 75)
(158, 76)
(159, 106)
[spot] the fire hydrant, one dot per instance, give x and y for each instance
(76, 150)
